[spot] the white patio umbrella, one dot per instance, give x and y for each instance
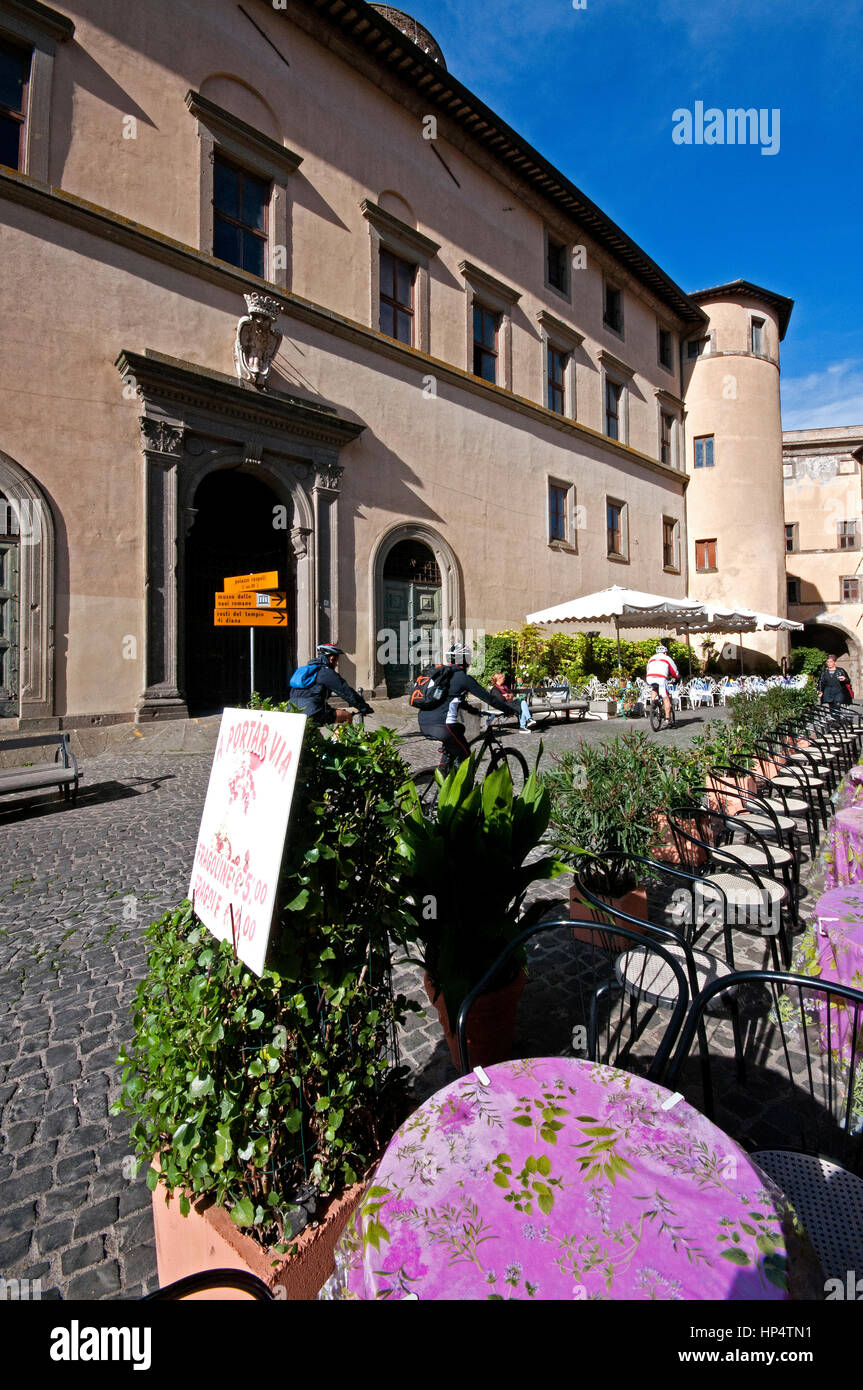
(626, 608)
(728, 620)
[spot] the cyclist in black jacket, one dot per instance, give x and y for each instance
(312, 700)
(443, 724)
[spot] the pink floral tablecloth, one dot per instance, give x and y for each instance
(843, 856)
(562, 1179)
(832, 949)
(850, 792)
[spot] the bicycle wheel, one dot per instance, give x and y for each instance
(427, 788)
(515, 762)
(657, 714)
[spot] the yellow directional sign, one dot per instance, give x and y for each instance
(253, 600)
(248, 583)
(250, 617)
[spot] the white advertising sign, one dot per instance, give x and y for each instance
(241, 842)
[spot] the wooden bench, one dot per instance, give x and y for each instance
(62, 773)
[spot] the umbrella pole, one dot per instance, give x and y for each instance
(617, 630)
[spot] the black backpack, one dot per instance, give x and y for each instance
(431, 687)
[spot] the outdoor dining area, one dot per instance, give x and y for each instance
(676, 1111)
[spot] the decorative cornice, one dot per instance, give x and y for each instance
(668, 398)
(559, 331)
(392, 228)
(609, 360)
(64, 207)
(38, 17)
(277, 160)
(168, 379)
(487, 284)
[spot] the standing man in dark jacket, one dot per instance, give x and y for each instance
(311, 699)
(833, 684)
(443, 724)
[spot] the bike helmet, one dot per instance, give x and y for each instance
(661, 651)
(459, 655)
(327, 649)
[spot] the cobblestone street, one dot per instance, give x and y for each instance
(80, 883)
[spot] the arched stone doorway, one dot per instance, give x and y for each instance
(233, 532)
(417, 605)
(26, 596)
(837, 641)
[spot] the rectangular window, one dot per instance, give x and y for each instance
(695, 347)
(850, 590)
(615, 515)
(847, 538)
(788, 470)
(705, 555)
(790, 537)
(666, 439)
(14, 84)
(758, 337)
(666, 349)
(670, 537)
(613, 396)
(397, 298)
(485, 331)
(557, 380)
(557, 265)
(612, 315)
(793, 590)
(704, 451)
(557, 528)
(240, 204)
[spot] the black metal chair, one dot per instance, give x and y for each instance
(787, 809)
(751, 896)
(212, 1281)
(798, 778)
(587, 1012)
(782, 1073)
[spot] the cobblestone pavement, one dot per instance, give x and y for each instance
(79, 884)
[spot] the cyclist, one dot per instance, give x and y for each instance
(660, 670)
(443, 724)
(313, 683)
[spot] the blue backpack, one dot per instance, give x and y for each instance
(306, 676)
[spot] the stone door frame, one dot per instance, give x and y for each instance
(452, 587)
(35, 593)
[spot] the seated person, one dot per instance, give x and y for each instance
(499, 685)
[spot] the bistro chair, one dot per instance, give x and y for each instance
(809, 759)
(791, 777)
(767, 855)
(786, 1081)
(576, 1007)
(750, 792)
(213, 1281)
(746, 894)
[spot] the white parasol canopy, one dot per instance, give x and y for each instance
(624, 608)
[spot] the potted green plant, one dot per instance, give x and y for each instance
(468, 869)
(611, 799)
(265, 1101)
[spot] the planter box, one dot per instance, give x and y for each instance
(208, 1239)
(634, 904)
(606, 709)
(490, 1025)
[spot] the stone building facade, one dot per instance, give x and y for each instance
(823, 537)
(280, 293)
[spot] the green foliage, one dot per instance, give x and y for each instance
(532, 654)
(466, 869)
(808, 661)
(249, 1089)
(608, 798)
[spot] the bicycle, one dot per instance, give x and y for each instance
(656, 710)
(425, 780)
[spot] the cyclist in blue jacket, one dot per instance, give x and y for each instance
(311, 699)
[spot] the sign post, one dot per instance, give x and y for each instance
(246, 603)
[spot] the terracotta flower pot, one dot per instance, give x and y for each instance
(208, 1239)
(491, 1022)
(634, 904)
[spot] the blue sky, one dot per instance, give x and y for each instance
(594, 90)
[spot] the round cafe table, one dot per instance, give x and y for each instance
(562, 1179)
(843, 856)
(832, 948)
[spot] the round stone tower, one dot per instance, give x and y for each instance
(735, 503)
